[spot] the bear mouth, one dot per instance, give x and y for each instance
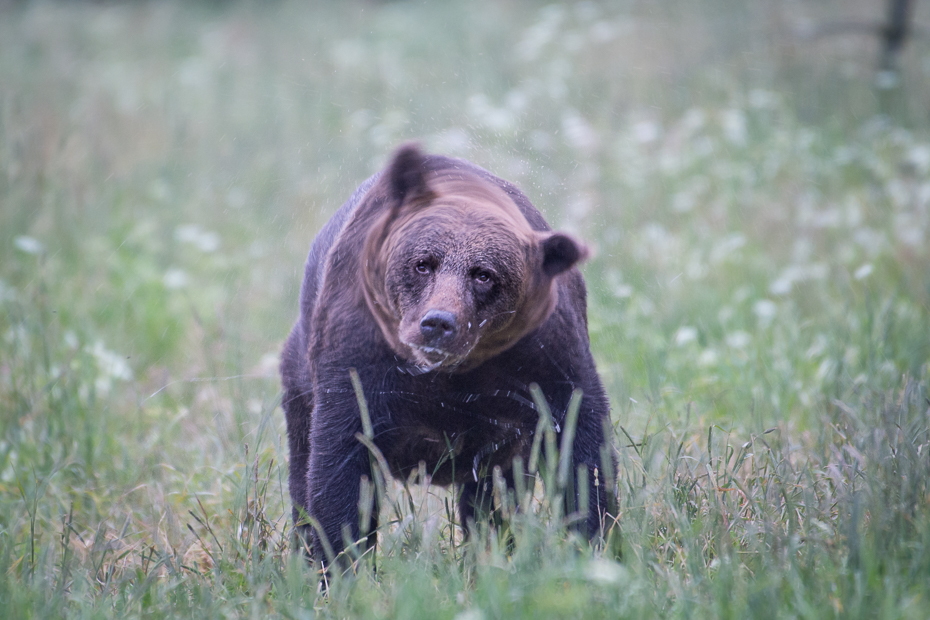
(428, 358)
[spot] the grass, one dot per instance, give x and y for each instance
(759, 300)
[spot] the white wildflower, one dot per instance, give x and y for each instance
(71, 340)
(516, 100)
(29, 245)
(453, 140)
(194, 72)
(685, 334)
(797, 273)
(863, 272)
(206, 241)
(540, 140)
(236, 197)
(175, 279)
(708, 357)
(602, 32)
(646, 131)
(759, 98)
(765, 311)
(578, 132)
(110, 366)
(268, 365)
(538, 36)
(730, 244)
(908, 230)
(871, 240)
(683, 201)
(604, 572)
(349, 54)
(738, 339)
(734, 126)
(490, 116)
(886, 79)
(692, 121)
(919, 157)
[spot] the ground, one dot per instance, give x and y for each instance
(759, 299)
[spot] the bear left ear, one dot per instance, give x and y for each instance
(406, 174)
(560, 253)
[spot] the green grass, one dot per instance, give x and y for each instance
(759, 300)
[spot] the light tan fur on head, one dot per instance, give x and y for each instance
(461, 232)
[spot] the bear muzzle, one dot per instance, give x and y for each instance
(438, 328)
(439, 339)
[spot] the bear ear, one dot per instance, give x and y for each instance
(560, 252)
(406, 174)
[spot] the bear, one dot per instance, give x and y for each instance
(447, 292)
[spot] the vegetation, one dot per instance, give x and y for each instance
(759, 301)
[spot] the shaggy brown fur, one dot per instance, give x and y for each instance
(444, 287)
(467, 237)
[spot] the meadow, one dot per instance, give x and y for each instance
(759, 300)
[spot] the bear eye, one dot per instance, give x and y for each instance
(423, 268)
(483, 277)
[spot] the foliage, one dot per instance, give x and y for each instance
(759, 302)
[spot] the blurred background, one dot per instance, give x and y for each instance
(753, 175)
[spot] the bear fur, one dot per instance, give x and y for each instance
(443, 286)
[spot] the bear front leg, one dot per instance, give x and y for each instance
(297, 414)
(337, 463)
(586, 450)
(597, 498)
(297, 402)
(476, 501)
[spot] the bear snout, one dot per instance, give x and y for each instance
(438, 328)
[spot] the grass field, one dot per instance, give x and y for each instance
(759, 299)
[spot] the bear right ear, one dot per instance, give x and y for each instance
(406, 174)
(560, 253)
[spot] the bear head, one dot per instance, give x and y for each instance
(453, 273)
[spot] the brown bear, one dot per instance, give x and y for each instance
(448, 292)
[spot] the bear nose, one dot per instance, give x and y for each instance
(437, 327)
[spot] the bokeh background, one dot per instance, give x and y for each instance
(753, 176)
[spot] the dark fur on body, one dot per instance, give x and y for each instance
(474, 396)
